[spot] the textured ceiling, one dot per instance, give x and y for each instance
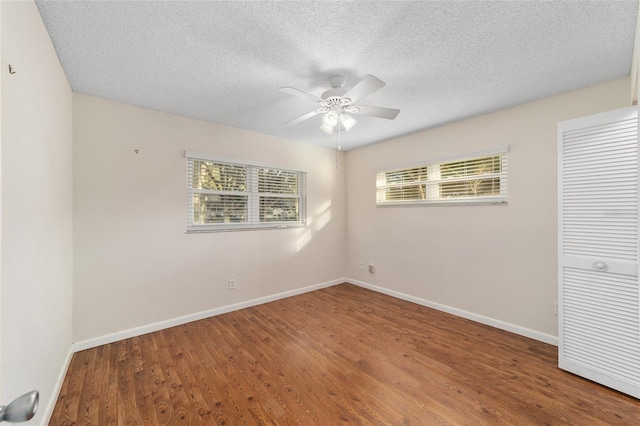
(442, 61)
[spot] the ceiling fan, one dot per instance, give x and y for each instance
(337, 103)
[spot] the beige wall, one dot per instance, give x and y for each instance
(134, 265)
(497, 262)
(36, 210)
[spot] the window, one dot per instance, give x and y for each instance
(471, 179)
(229, 195)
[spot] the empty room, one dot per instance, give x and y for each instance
(319, 213)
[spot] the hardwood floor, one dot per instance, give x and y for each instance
(340, 355)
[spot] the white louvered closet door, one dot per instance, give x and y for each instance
(599, 311)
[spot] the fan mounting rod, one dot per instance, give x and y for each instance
(337, 87)
(336, 81)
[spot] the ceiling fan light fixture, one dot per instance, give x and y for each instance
(347, 121)
(330, 119)
(332, 122)
(327, 129)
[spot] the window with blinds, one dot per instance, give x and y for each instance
(278, 192)
(470, 179)
(224, 195)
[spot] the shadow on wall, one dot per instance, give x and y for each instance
(314, 224)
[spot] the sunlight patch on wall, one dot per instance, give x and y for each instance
(322, 219)
(315, 223)
(304, 239)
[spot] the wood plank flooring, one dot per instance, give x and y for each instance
(340, 355)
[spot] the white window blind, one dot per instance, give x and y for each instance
(469, 179)
(278, 195)
(225, 195)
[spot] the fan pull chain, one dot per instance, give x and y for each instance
(337, 145)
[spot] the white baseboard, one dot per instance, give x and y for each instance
(161, 325)
(138, 331)
(536, 335)
(57, 388)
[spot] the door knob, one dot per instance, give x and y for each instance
(21, 409)
(600, 266)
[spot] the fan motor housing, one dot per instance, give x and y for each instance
(338, 101)
(337, 89)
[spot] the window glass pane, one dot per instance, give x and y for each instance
(277, 181)
(398, 184)
(476, 185)
(219, 176)
(278, 209)
(214, 208)
(473, 167)
(409, 192)
(417, 174)
(470, 188)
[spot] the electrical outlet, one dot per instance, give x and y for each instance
(362, 266)
(372, 269)
(232, 284)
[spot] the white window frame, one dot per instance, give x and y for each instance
(253, 220)
(434, 180)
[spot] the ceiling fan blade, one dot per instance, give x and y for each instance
(304, 117)
(296, 92)
(363, 88)
(388, 113)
